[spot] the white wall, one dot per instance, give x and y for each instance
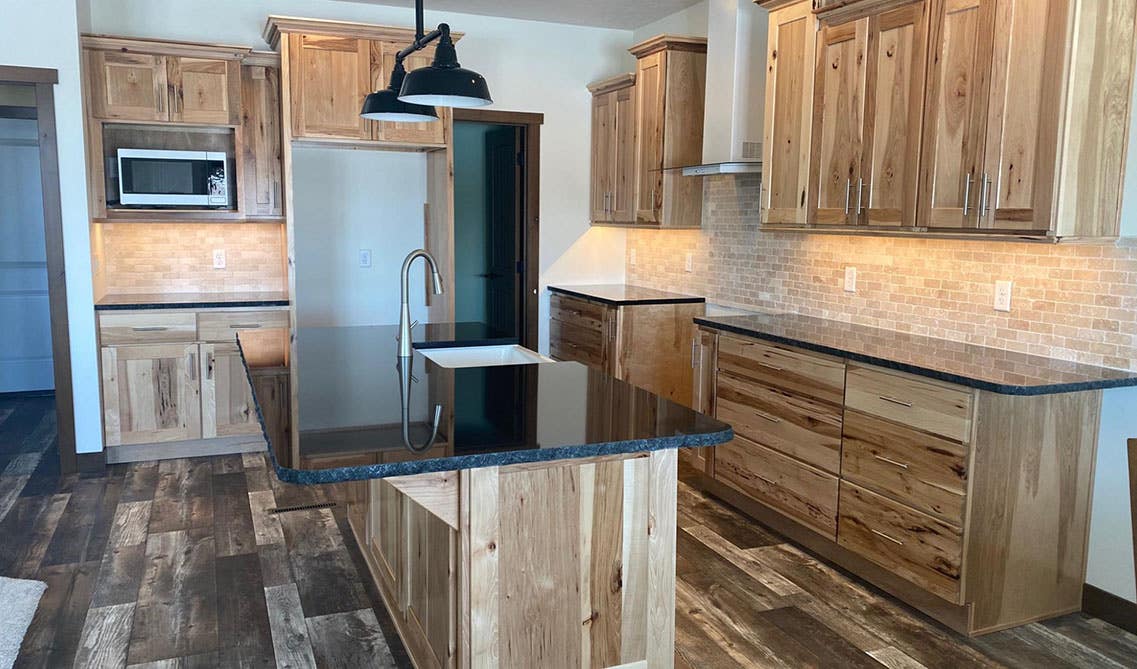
(45, 34)
(530, 66)
(1111, 535)
(690, 21)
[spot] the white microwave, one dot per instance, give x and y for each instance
(173, 178)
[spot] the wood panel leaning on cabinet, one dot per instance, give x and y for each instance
(970, 505)
(992, 118)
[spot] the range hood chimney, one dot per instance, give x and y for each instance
(736, 82)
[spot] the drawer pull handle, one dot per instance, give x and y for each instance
(156, 328)
(885, 536)
(767, 416)
(244, 326)
(769, 366)
(893, 400)
(891, 462)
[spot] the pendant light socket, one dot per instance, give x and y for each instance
(444, 82)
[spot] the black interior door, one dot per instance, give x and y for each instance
(503, 182)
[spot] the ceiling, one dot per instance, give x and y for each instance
(625, 14)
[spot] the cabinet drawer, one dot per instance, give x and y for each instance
(573, 342)
(910, 544)
(923, 404)
(913, 467)
(146, 327)
(801, 492)
(784, 367)
(223, 326)
(581, 313)
(805, 428)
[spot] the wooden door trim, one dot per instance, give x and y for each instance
(44, 80)
(530, 123)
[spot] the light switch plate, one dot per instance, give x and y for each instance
(365, 257)
(689, 265)
(1003, 291)
(218, 258)
(850, 279)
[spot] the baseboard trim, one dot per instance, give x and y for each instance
(91, 463)
(1115, 610)
(197, 448)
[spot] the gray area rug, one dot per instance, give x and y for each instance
(20, 599)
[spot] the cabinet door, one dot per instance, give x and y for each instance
(385, 531)
(330, 76)
(261, 192)
(227, 407)
(1024, 108)
(129, 86)
(622, 185)
(788, 116)
(702, 391)
(603, 121)
(151, 393)
(954, 107)
(897, 44)
(431, 586)
(650, 77)
(204, 90)
(382, 62)
(838, 122)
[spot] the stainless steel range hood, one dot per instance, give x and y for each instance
(736, 82)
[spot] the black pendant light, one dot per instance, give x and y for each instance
(385, 105)
(412, 97)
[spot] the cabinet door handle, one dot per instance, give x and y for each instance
(848, 192)
(154, 328)
(244, 326)
(860, 190)
(209, 366)
(191, 365)
(766, 480)
(893, 400)
(967, 195)
(890, 461)
(984, 194)
(769, 366)
(694, 353)
(885, 536)
(762, 414)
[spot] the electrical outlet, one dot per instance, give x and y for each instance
(1003, 295)
(850, 279)
(632, 257)
(689, 265)
(365, 257)
(218, 258)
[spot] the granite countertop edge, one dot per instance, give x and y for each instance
(677, 299)
(979, 384)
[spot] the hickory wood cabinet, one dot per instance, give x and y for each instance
(645, 126)
(647, 345)
(948, 116)
(133, 86)
(937, 493)
(177, 375)
(613, 150)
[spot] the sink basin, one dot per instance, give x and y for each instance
(483, 356)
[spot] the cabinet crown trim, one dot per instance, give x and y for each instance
(668, 42)
(276, 25)
(612, 83)
(164, 47)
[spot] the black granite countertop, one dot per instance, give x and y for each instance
(981, 367)
(620, 294)
(128, 301)
(353, 397)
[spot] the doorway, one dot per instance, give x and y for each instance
(35, 358)
(496, 178)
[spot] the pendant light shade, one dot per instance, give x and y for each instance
(385, 105)
(445, 83)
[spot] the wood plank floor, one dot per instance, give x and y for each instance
(178, 564)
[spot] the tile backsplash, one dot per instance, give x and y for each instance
(178, 257)
(1075, 302)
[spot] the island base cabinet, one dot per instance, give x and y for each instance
(569, 563)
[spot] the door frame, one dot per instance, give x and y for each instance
(530, 124)
(44, 81)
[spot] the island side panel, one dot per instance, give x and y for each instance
(570, 563)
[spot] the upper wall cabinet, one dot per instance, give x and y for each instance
(671, 74)
(261, 189)
(952, 116)
(132, 86)
(613, 150)
(382, 63)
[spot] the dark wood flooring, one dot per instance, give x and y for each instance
(178, 564)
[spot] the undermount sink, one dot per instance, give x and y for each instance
(483, 356)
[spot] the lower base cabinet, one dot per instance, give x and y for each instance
(151, 393)
(969, 505)
(475, 574)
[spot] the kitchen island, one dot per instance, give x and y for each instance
(512, 515)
